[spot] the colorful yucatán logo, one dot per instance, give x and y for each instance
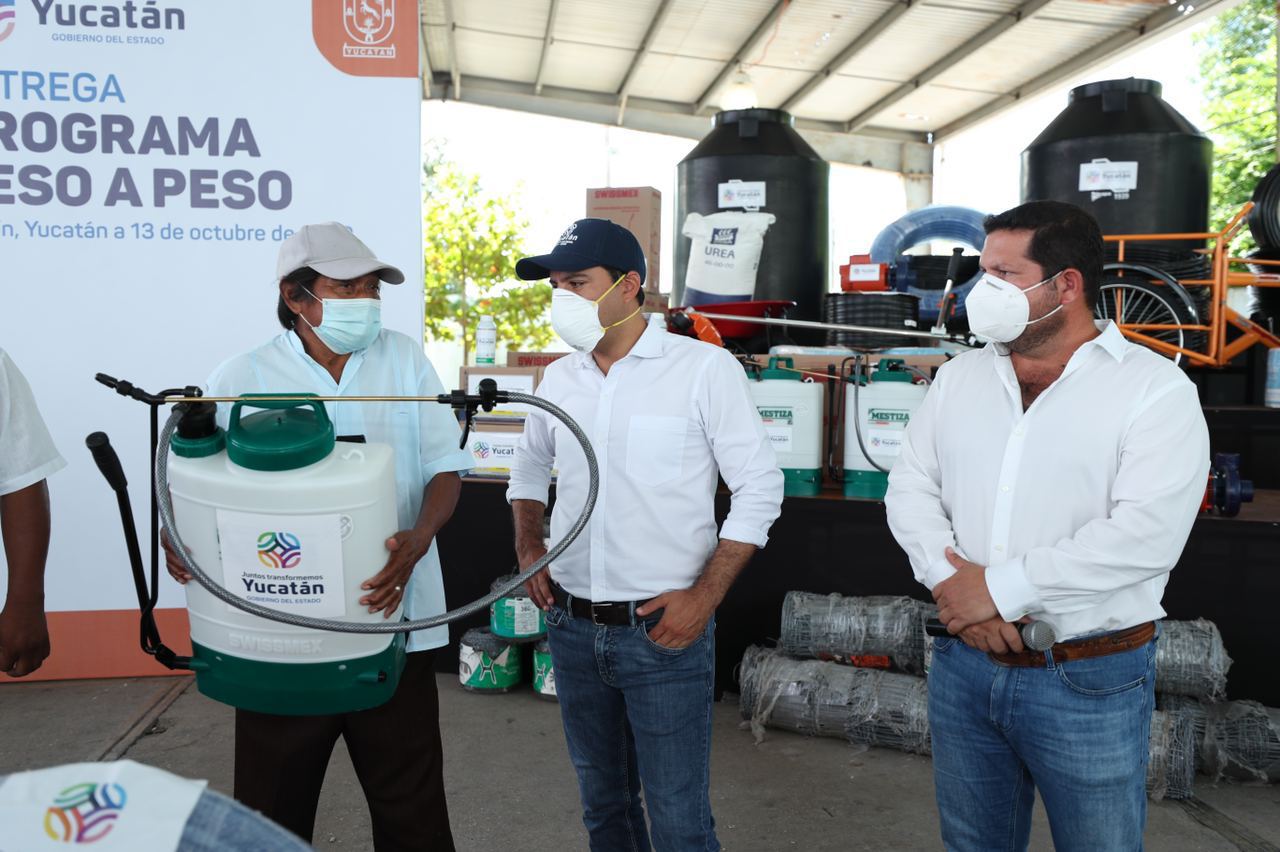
(8, 18)
(84, 813)
(279, 550)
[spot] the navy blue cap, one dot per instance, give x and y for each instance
(584, 244)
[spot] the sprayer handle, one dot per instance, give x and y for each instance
(104, 455)
(953, 265)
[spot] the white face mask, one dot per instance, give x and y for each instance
(577, 319)
(998, 310)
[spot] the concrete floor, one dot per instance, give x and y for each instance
(511, 786)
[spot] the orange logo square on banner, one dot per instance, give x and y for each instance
(368, 38)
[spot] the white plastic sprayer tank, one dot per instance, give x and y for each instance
(791, 409)
(282, 516)
(881, 408)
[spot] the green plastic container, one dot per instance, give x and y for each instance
(544, 672)
(516, 616)
(488, 663)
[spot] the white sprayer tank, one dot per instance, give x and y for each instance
(279, 514)
(791, 409)
(881, 408)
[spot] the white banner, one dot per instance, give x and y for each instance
(152, 158)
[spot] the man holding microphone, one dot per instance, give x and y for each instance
(1053, 476)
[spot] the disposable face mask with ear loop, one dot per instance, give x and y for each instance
(347, 325)
(998, 309)
(577, 319)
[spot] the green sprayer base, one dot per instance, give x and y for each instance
(299, 689)
(868, 484)
(801, 482)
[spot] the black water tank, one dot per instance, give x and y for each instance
(1124, 122)
(763, 145)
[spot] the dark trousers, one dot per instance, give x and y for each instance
(395, 748)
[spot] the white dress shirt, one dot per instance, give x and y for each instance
(27, 453)
(424, 435)
(667, 420)
(1079, 506)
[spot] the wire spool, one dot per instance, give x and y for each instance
(1171, 767)
(516, 617)
(1264, 218)
(1235, 739)
(1266, 300)
(488, 663)
(929, 271)
(544, 672)
(864, 706)
(1191, 659)
(883, 310)
(841, 629)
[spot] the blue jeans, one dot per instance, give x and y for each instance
(637, 715)
(1078, 731)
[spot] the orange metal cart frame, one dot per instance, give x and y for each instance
(1216, 350)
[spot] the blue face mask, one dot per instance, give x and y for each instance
(347, 325)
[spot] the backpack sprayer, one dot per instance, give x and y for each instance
(276, 504)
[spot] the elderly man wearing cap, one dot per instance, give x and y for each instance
(334, 345)
(631, 604)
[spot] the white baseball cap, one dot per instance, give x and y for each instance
(332, 250)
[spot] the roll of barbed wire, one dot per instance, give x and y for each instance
(1234, 739)
(1171, 768)
(815, 697)
(1191, 659)
(834, 627)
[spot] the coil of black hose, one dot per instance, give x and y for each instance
(882, 310)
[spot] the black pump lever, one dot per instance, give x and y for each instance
(149, 634)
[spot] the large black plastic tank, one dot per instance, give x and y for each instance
(1125, 122)
(763, 145)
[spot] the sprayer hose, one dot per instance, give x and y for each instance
(215, 589)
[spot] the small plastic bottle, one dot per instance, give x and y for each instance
(486, 342)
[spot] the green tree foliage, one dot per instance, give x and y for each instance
(1238, 77)
(471, 242)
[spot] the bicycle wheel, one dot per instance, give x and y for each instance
(1131, 301)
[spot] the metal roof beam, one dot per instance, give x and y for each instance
(546, 46)
(1159, 22)
(889, 150)
(864, 38)
(1006, 22)
(424, 59)
(740, 55)
(451, 23)
(655, 23)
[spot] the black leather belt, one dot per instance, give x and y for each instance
(605, 614)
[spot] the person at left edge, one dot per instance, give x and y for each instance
(27, 458)
(333, 345)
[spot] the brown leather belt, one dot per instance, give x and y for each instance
(1083, 649)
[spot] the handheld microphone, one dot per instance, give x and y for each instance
(1036, 635)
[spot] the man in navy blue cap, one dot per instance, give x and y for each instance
(630, 605)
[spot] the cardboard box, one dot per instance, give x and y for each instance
(639, 210)
(522, 379)
(532, 359)
(493, 446)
